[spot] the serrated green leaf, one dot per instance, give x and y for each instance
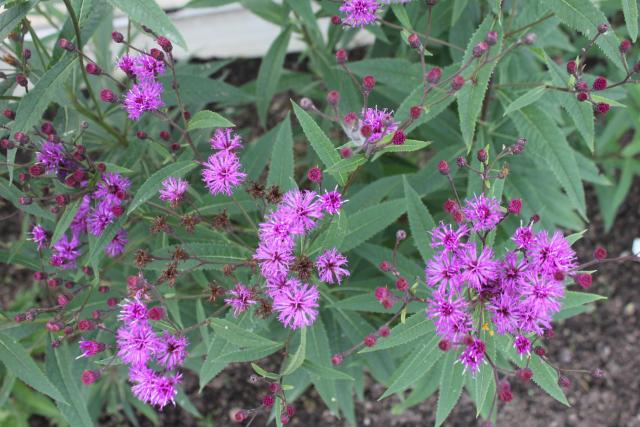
(264, 373)
(420, 221)
(334, 236)
(152, 185)
(237, 335)
(320, 371)
(368, 222)
(584, 16)
(319, 142)
(547, 378)
(59, 367)
(270, 72)
(34, 103)
(149, 13)
(451, 382)
(471, 96)
(346, 166)
(298, 357)
(65, 220)
(420, 360)
(208, 119)
(16, 359)
(319, 354)
(574, 299)
(416, 326)
(630, 10)
(526, 99)
(408, 146)
(281, 170)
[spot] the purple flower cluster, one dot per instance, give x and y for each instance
(295, 302)
(380, 122)
(222, 171)
(146, 93)
(520, 290)
(359, 13)
(173, 190)
(139, 346)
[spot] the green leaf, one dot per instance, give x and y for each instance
(319, 354)
(10, 193)
(264, 373)
(416, 326)
(368, 222)
(528, 98)
(584, 16)
(149, 13)
(471, 96)
(320, 371)
(281, 170)
(59, 367)
(408, 146)
(630, 10)
(451, 382)
(208, 119)
(319, 142)
(420, 221)
(96, 247)
(34, 103)
(12, 16)
(458, 7)
(65, 220)
(334, 236)
(549, 147)
(270, 72)
(547, 378)
(401, 13)
(348, 165)
(298, 357)
(16, 359)
(237, 335)
(576, 299)
(152, 185)
(420, 360)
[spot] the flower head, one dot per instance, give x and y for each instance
(478, 268)
(90, 348)
(473, 355)
(100, 218)
(302, 208)
(117, 244)
(137, 343)
(173, 190)
(79, 221)
(274, 258)
(483, 212)
(143, 96)
(330, 266)
(133, 311)
(505, 309)
(359, 12)
(522, 345)
(445, 237)
(331, 202)
(65, 252)
(146, 67)
(241, 299)
(444, 270)
(297, 306)
(51, 156)
(172, 350)
(380, 121)
(552, 254)
(113, 187)
(451, 318)
(225, 140)
(221, 173)
(39, 235)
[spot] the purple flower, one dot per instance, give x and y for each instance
(172, 350)
(302, 208)
(51, 155)
(173, 190)
(446, 237)
(221, 173)
(113, 188)
(125, 63)
(137, 342)
(241, 299)
(100, 218)
(117, 244)
(143, 96)
(133, 311)
(532, 320)
(146, 67)
(164, 390)
(473, 356)
(329, 266)
(359, 12)
(150, 387)
(331, 202)
(79, 221)
(505, 309)
(297, 306)
(551, 255)
(484, 213)
(478, 269)
(277, 284)
(450, 316)
(542, 294)
(444, 270)
(277, 229)
(512, 271)
(225, 140)
(65, 252)
(522, 345)
(39, 235)
(523, 237)
(380, 121)
(274, 258)
(90, 348)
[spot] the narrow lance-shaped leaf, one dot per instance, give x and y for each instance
(281, 168)
(208, 119)
(420, 221)
(270, 72)
(451, 382)
(630, 10)
(366, 223)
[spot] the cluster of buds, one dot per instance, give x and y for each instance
(274, 392)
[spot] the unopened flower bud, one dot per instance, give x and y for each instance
(515, 206)
(9, 113)
(444, 345)
(434, 75)
(415, 111)
(89, 377)
(584, 280)
(315, 175)
(525, 374)
(368, 83)
(93, 69)
(572, 66)
(370, 340)
(333, 98)
(156, 313)
(461, 162)
(414, 41)
(384, 331)
(401, 235)
(398, 138)
(336, 20)
(491, 38)
(603, 107)
(306, 103)
(107, 95)
(341, 56)
(480, 49)
(21, 80)
(603, 28)
(457, 82)
(443, 167)
(600, 83)
(25, 200)
(625, 46)
(564, 382)
(164, 43)
(529, 39)
(600, 253)
(384, 266)
(402, 284)
(336, 359)
(540, 351)
(582, 96)
(117, 37)
(345, 152)
(481, 155)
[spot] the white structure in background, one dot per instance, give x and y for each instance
(224, 32)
